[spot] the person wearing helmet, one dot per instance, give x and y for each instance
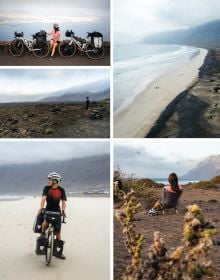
(54, 196)
(55, 39)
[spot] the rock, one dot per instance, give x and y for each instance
(49, 131)
(55, 110)
(14, 129)
(30, 115)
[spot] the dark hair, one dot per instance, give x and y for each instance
(173, 180)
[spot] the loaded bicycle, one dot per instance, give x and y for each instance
(38, 45)
(92, 45)
(47, 245)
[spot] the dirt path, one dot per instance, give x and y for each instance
(170, 227)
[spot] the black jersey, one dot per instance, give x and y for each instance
(54, 196)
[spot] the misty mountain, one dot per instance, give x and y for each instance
(78, 174)
(204, 36)
(205, 169)
(96, 91)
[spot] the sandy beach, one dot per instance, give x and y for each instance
(137, 119)
(86, 234)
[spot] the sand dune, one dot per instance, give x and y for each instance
(137, 119)
(86, 233)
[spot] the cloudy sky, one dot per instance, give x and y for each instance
(134, 19)
(35, 84)
(156, 159)
(24, 11)
(15, 152)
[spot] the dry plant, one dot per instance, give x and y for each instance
(186, 262)
(134, 240)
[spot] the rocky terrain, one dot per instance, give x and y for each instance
(53, 120)
(195, 113)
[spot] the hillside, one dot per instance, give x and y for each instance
(205, 36)
(78, 175)
(206, 169)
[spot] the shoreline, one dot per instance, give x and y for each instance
(194, 112)
(139, 117)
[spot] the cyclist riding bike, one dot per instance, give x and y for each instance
(54, 195)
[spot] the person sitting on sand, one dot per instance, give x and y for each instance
(171, 195)
(53, 195)
(55, 39)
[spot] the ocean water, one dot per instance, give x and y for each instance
(137, 65)
(181, 182)
(80, 29)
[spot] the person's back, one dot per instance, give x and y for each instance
(170, 197)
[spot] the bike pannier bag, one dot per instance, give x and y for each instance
(97, 39)
(41, 37)
(38, 223)
(40, 245)
(68, 33)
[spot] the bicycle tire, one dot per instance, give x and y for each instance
(16, 47)
(95, 53)
(49, 248)
(66, 50)
(43, 52)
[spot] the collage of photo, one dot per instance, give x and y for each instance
(110, 139)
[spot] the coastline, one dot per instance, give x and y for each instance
(138, 118)
(195, 112)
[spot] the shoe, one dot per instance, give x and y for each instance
(62, 257)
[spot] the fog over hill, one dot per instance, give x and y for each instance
(205, 169)
(79, 174)
(204, 36)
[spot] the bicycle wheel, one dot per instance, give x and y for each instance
(95, 53)
(49, 248)
(16, 47)
(41, 50)
(66, 50)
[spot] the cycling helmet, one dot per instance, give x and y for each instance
(56, 26)
(54, 176)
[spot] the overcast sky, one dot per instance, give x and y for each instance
(31, 82)
(53, 10)
(156, 159)
(141, 17)
(15, 152)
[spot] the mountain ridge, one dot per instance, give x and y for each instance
(78, 174)
(204, 36)
(205, 169)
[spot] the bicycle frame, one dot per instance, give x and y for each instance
(82, 47)
(28, 43)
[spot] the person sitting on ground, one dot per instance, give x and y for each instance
(171, 195)
(55, 39)
(54, 195)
